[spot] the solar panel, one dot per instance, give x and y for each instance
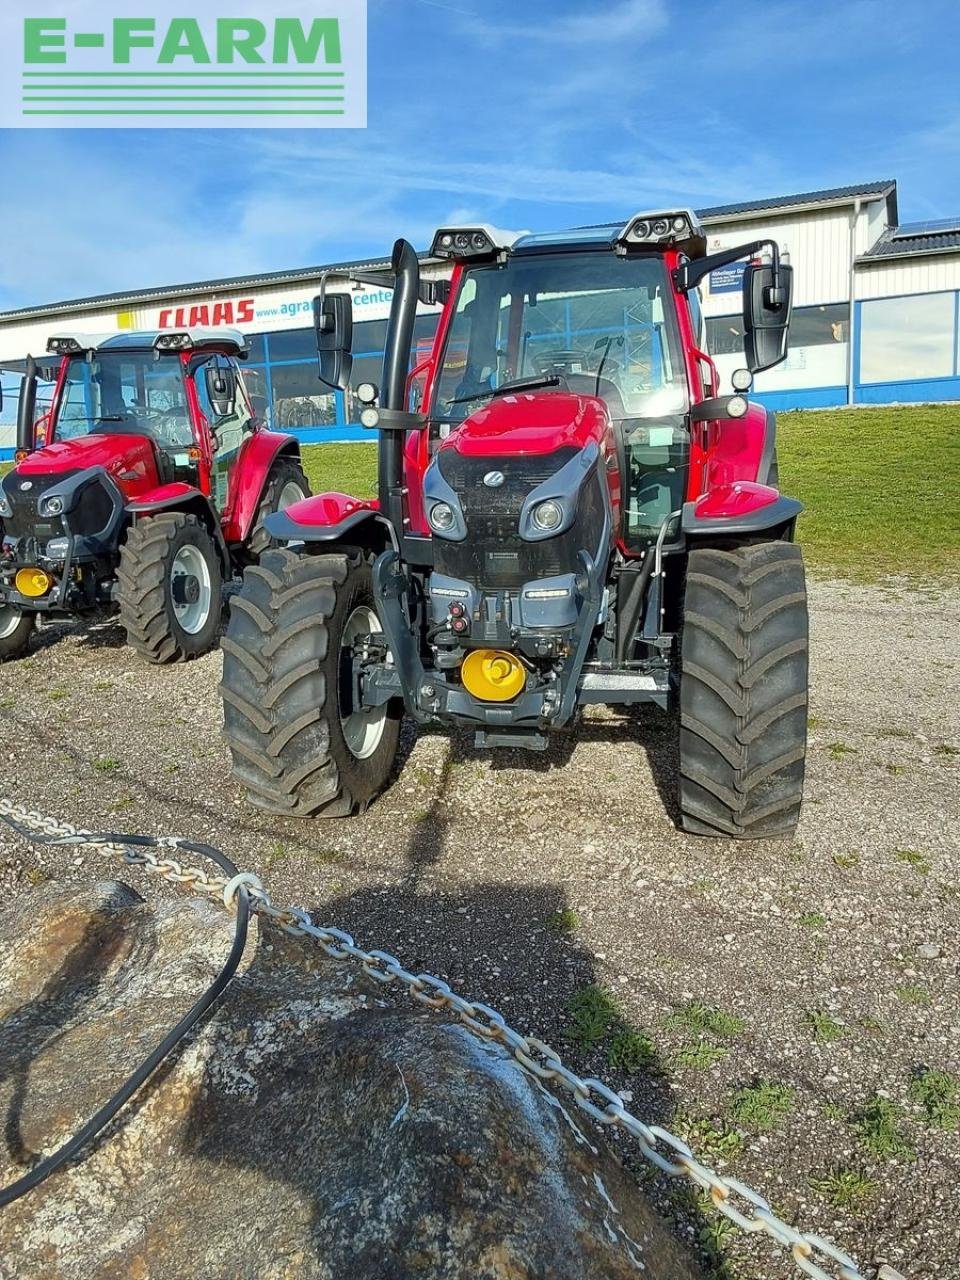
(907, 230)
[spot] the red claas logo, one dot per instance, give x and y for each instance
(208, 313)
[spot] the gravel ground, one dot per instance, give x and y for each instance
(829, 964)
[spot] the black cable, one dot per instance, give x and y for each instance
(98, 1122)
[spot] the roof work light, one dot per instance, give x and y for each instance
(679, 227)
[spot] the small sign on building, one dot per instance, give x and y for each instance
(728, 279)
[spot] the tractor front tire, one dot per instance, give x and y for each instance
(298, 745)
(286, 484)
(743, 691)
(170, 587)
(16, 628)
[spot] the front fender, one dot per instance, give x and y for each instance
(330, 517)
(741, 508)
(248, 478)
(183, 497)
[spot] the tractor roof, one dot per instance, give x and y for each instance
(690, 236)
(230, 341)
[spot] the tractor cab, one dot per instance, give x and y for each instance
(174, 402)
(580, 319)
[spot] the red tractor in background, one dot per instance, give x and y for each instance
(144, 487)
(569, 513)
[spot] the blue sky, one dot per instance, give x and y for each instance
(541, 115)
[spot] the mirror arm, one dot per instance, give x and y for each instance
(689, 274)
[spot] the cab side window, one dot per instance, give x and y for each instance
(697, 320)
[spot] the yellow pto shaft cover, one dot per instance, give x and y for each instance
(493, 675)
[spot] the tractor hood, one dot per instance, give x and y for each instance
(129, 459)
(531, 423)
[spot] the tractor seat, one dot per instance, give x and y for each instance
(585, 384)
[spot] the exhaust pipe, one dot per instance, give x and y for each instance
(26, 410)
(396, 364)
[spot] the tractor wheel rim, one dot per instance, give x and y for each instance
(362, 727)
(9, 620)
(289, 494)
(191, 615)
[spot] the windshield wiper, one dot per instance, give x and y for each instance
(108, 417)
(516, 384)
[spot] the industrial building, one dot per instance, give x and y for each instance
(876, 315)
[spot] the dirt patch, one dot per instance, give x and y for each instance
(794, 1008)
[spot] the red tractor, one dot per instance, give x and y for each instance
(569, 513)
(145, 486)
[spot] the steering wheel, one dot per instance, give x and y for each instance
(561, 362)
(165, 424)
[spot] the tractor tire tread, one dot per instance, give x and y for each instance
(743, 691)
(279, 673)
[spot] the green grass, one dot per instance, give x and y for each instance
(912, 993)
(825, 1029)
(877, 1127)
(938, 1095)
(707, 1020)
(762, 1105)
(878, 485)
(593, 1012)
(563, 921)
(699, 1056)
(345, 468)
(846, 1189)
(879, 488)
(914, 858)
(633, 1052)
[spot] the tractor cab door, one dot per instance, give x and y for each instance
(227, 433)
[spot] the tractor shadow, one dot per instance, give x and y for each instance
(654, 730)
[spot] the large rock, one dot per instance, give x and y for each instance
(308, 1130)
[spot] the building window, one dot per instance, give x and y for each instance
(907, 339)
(821, 326)
(300, 399)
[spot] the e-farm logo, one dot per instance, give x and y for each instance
(83, 64)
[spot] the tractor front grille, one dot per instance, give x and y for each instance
(493, 556)
(25, 521)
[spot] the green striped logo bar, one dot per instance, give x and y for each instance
(94, 67)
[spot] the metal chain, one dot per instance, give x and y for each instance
(748, 1210)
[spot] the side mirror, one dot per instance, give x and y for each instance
(766, 315)
(221, 380)
(333, 323)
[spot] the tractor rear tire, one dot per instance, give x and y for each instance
(743, 691)
(160, 553)
(16, 628)
(285, 682)
(284, 477)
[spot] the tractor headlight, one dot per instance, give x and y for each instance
(547, 516)
(5, 507)
(441, 517)
(736, 407)
(52, 506)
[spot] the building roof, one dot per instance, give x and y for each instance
(829, 195)
(915, 239)
(232, 284)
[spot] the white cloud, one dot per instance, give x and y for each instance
(626, 20)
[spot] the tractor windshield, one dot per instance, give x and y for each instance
(135, 391)
(592, 322)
